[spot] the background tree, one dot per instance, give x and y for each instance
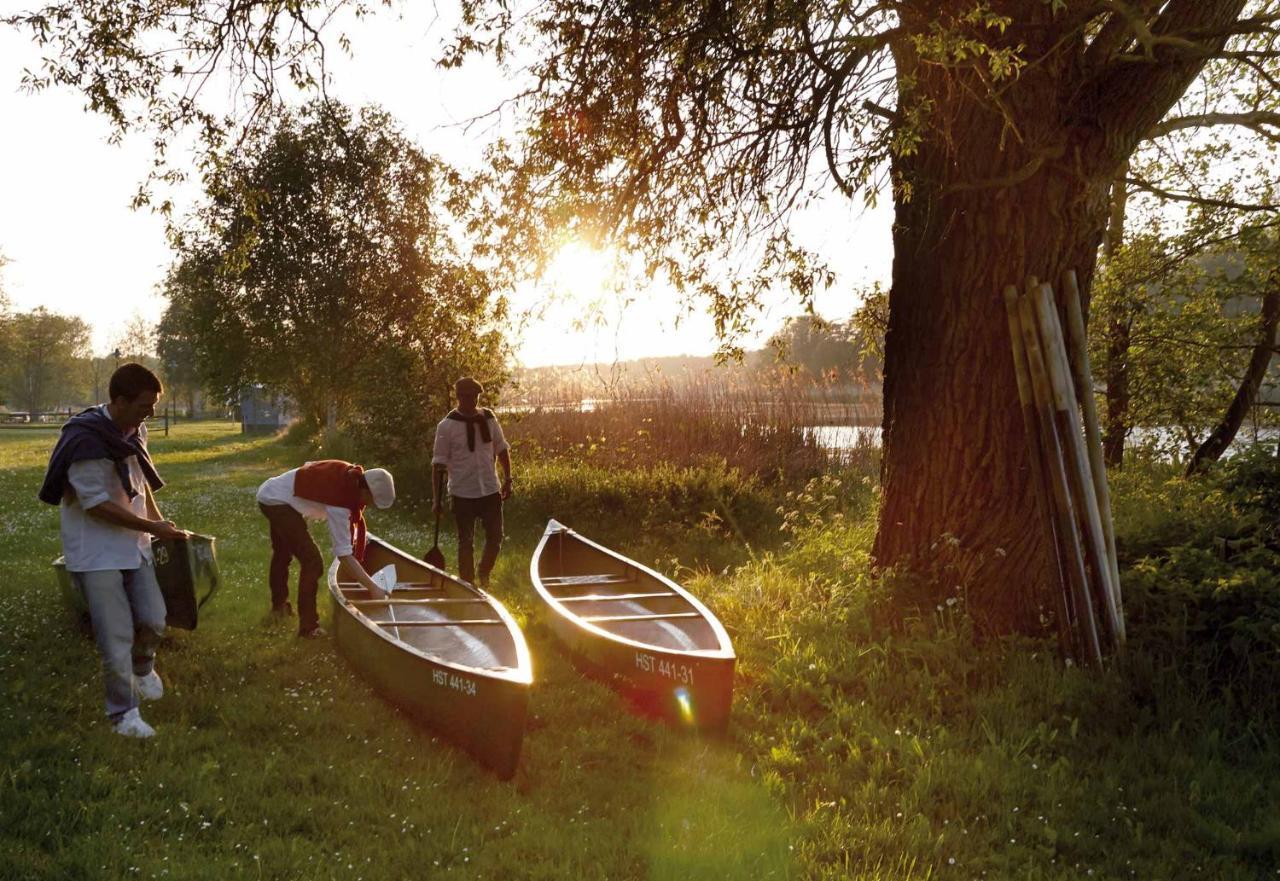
(1191, 308)
(322, 265)
(176, 349)
(686, 129)
(830, 350)
(48, 356)
(136, 341)
(6, 327)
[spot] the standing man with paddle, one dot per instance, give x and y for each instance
(468, 443)
(336, 492)
(101, 477)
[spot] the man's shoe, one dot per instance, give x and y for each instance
(150, 687)
(131, 725)
(316, 632)
(284, 610)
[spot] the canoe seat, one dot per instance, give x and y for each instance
(565, 580)
(429, 601)
(600, 619)
(460, 622)
(354, 587)
(609, 597)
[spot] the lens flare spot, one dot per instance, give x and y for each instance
(685, 702)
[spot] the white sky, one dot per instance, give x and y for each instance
(75, 246)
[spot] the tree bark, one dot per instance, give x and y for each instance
(1259, 360)
(958, 507)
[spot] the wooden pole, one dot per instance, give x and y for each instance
(1093, 435)
(1039, 467)
(1077, 462)
(1064, 514)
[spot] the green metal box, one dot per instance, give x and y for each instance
(186, 569)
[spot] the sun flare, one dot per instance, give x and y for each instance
(581, 271)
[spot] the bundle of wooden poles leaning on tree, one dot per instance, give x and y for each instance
(1069, 479)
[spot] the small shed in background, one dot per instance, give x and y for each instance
(263, 412)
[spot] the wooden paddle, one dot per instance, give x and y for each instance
(435, 556)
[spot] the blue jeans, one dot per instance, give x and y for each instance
(127, 611)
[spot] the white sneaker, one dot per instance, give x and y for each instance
(131, 725)
(150, 687)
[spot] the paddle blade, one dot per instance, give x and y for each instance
(435, 557)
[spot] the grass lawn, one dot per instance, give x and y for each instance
(861, 747)
(274, 760)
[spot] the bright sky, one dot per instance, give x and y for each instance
(75, 246)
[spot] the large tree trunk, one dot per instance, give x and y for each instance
(1260, 359)
(988, 193)
(958, 506)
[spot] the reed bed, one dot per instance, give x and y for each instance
(774, 427)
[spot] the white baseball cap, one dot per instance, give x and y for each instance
(381, 486)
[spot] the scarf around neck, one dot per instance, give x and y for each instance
(481, 419)
(91, 434)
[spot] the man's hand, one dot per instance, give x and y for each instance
(505, 492)
(165, 529)
(437, 507)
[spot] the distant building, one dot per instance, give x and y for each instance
(263, 412)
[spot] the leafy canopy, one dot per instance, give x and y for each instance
(322, 264)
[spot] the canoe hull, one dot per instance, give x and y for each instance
(685, 690)
(483, 716)
(635, 629)
(479, 705)
(186, 570)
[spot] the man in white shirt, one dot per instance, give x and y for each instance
(335, 492)
(468, 442)
(100, 474)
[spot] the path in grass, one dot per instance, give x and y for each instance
(273, 758)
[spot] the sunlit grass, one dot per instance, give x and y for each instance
(863, 745)
(273, 758)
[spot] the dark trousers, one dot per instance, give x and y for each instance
(465, 512)
(289, 539)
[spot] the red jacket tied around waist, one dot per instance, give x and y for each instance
(340, 484)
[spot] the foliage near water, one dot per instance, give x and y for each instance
(870, 740)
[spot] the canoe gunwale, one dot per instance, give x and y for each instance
(520, 674)
(554, 603)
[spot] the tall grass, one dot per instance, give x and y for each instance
(765, 425)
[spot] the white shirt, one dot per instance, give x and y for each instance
(90, 544)
(279, 491)
(472, 474)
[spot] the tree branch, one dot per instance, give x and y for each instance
(1198, 200)
(1131, 100)
(1257, 120)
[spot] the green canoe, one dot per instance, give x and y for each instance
(186, 569)
(447, 653)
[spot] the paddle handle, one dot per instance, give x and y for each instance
(435, 539)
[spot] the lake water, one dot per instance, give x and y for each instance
(844, 438)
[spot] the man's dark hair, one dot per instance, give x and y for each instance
(131, 380)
